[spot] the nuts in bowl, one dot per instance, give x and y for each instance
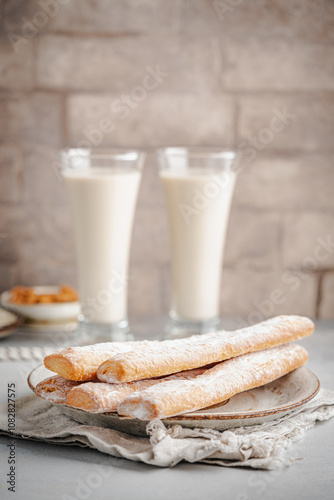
(32, 295)
(42, 303)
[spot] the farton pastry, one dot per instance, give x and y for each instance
(171, 357)
(100, 397)
(81, 363)
(217, 384)
(55, 389)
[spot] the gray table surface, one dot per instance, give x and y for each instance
(58, 472)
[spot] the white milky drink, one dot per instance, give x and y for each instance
(198, 204)
(102, 203)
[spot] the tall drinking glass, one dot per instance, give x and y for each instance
(102, 188)
(198, 186)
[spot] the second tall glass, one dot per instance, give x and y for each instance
(198, 185)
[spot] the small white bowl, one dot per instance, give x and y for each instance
(57, 311)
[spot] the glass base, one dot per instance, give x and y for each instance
(94, 333)
(178, 328)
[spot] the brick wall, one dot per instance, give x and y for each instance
(233, 66)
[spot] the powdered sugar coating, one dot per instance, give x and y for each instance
(155, 348)
(202, 350)
(81, 363)
(55, 389)
(215, 385)
(101, 397)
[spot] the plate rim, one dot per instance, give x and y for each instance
(203, 416)
(12, 326)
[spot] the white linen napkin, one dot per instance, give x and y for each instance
(259, 446)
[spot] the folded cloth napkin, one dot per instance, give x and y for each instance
(259, 446)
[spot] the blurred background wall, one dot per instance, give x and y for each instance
(252, 74)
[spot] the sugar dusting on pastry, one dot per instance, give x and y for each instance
(81, 363)
(172, 357)
(215, 385)
(100, 397)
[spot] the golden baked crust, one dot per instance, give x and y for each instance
(101, 397)
(81, 363)
(214, 386)
(170, 357)
(54, 389)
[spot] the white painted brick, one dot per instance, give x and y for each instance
(187, 109)
(95, 16)
(46, 274)
(296, 20)
(254, 295)
(166, 277)
(308, 240)
(32, 117)
(46, 238)
(150, 242)
(8, 276)
(252, 240)
(264, 18)
(15, 10)
(150, 193)
(11, 172)
(160, 120)
(286, 182)
(11, 220)
(16, 68)
(277, 65)
(327, 303)
(309, 128)
(144, 292)
(119, 64)
(42, 180)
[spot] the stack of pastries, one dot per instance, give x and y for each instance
(152, 379)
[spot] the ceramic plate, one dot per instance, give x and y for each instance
(9, 322)
(43, 312)
(256, 406)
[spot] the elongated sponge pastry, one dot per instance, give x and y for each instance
(213, 349)
(100, 397)
(214, 386)
(54, 389)
(81, 363)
